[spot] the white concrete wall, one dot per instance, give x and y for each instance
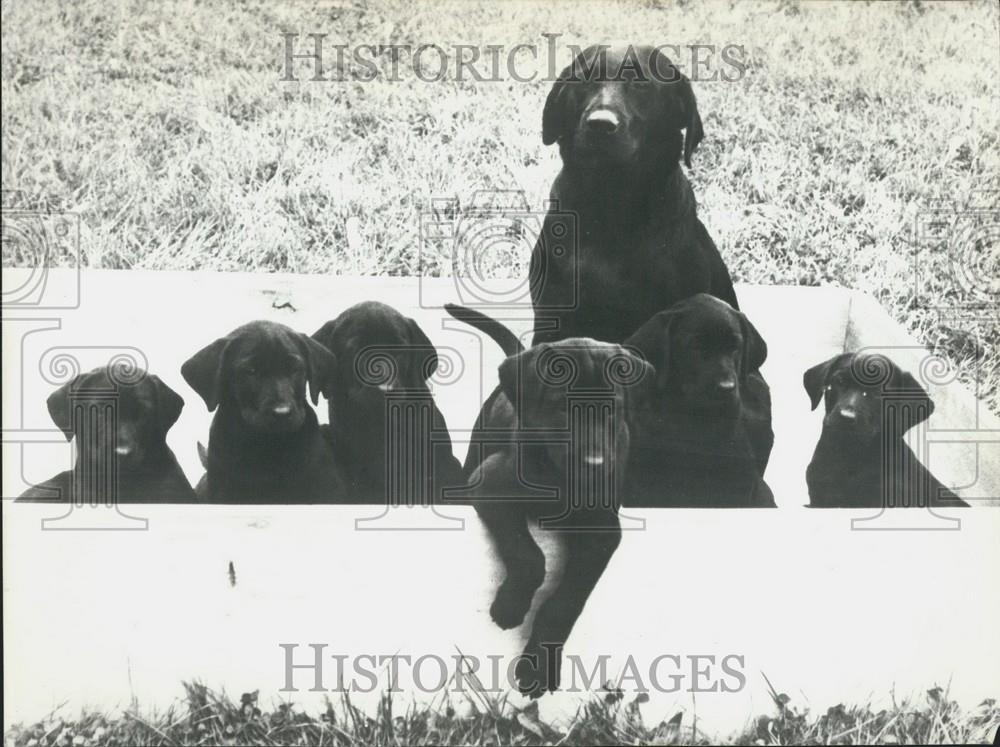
(829, 614)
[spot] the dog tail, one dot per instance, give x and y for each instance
(502, 336)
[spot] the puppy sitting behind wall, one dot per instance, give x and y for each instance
(119, 419)
(693, 448)
(265, 444)
(861, 459)
(389, 439)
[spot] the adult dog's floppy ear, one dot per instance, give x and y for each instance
(694, 133)
(321, 366)
(814, 380)
(424, 361)
(652, 341)
(754, 348)
(168, 404)
(681, 101)
(557, 116)
(59, 407)
(204, 372)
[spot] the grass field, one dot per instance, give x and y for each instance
(209, 718)
(166, 128)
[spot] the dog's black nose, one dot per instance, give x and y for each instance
(603, 121)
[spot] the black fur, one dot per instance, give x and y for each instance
(847, 469)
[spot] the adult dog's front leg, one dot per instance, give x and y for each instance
(588, 550)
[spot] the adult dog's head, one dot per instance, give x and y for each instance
(703, 350)
(129, 411)
(259, 373)
(578, 392)
(621, 105)
(862, 390)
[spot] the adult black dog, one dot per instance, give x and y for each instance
(861, 460)
(265, 444)
(119, 418)
(623, 240)
(693, 449)
(551, 444)
(390, 440)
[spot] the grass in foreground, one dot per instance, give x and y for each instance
(208, 718)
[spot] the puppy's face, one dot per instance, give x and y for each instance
(107, 410)
(617, 105)
(268, 380)
(854, 388)
(703, 349)
(578, 392)
(379, 352)
(261, 372)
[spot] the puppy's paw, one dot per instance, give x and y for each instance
(510, 606)
(537, 672)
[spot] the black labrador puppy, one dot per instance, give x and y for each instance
(623, 240)
(551, 445)
(389, 438)
(694, 447)
(265, 444)
(120, 421)
(870, 404)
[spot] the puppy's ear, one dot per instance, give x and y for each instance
(327, 335)
(510, 375)
(168, 404)
(424, 356)
(815, 379)
(905, 382)
(519, 379)
(321, 367)
(642, 391)
(59, 407)
(557, 116)
(682, 102)
(652, 342)
(204, 372)
(754, 348)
